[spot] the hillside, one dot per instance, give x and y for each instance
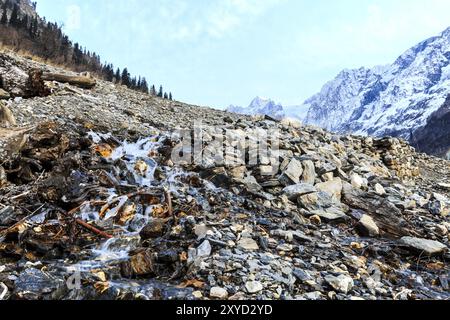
(95, 205)
(23, 30)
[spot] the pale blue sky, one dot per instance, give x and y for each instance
(221, 52)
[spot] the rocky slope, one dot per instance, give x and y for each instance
(92, 205)
(393, 100)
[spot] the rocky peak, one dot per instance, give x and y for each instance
(395, 100)
(261, 106)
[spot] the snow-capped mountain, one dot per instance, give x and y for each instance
(395, 100)
(260, 106)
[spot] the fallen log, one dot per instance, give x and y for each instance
(78, 81)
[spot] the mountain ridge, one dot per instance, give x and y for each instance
(394, 100)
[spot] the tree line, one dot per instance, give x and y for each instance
(47, 40)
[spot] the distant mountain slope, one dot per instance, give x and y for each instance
(260, 106)
(435, 136)
(393, 100)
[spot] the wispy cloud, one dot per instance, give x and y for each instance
(73, 17)
(215, 19)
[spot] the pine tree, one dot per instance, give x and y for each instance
(24, 23)
(4, 19)
(153, 90)
(14, 19)
(170, 96)
(133, 83)
(160, 93)
(126, 78)
(144, 85)
(117, 76)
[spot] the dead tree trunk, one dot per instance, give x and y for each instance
(79, 81)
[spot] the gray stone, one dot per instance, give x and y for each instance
(341, 283)
(368, 227)
(309, 172)
(204, 250)
(357, 181)
(292, 173)
(333, 188)
(424, 246)
(379, 190)
(331, 214)
(297, 190)
(248, 244)
(253, 287)
(218, 293)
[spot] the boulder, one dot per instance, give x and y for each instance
(292, 173)
(368, 227)
(298, 190)
(423, 246)
(309, 172)
(4, 95)
(218, 293)
(154, 229)
(333, 188)
(341, 283)
(248, 244)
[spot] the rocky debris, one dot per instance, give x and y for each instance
(298, 190)
(253, 287)
(153, 229)
(248, 244)
(90, 188)
(4, 95)
(368, 227)
(6, 116)
(424, 246)
(218, 293)
(309, 172)
(332, 188)
(341, 283)
(292, 173)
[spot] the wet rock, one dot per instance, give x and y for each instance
(298, 190)
(424, 246)
(367, 226)
(333, 188)
(33, 284)
(218, 293)
(7, 216)
(248, 244)
(253, 287)
(292, 173)
(140, 264)
(341, 283)
(154, 229)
